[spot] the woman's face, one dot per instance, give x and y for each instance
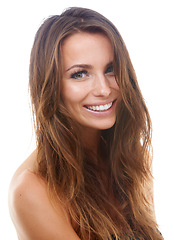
(89, 88)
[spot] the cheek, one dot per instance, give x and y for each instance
(114, 84)
(72, 94)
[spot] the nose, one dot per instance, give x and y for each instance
(101, 86)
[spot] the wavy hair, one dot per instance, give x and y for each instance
(64, 163)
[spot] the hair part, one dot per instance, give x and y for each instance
(65, 164)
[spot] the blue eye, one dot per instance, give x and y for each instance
(79, 75)
(110, 69)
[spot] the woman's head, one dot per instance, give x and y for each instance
(48, 60)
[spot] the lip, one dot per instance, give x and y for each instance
(101, 113)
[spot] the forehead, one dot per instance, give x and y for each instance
(84, 46)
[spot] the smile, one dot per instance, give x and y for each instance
(100, 107)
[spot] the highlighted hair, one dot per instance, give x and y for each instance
(72, 178)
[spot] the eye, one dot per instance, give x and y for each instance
(110, 69)
(79, 75)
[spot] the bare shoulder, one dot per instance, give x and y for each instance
(26, 188)
(31, 211)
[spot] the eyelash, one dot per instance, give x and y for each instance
(75, 75)
(110, 69)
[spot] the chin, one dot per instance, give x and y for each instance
(105, 125)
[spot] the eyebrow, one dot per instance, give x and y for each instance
(86, 66)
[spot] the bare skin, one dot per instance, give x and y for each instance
(31, 211)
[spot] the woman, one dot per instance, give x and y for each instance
(90, 176)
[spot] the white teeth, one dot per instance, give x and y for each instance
(100, 107)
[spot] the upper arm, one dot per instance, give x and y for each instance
(33, 215)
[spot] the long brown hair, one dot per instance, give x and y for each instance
(64, 163)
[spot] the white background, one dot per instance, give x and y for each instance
(148, 30)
